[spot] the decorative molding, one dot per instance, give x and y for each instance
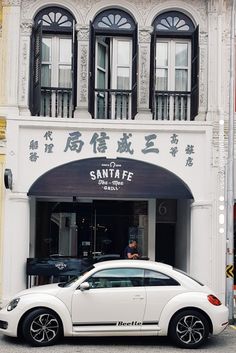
(23, 70)
(11, 3)
(82, 32)
(212, 5)
(83, 73)
(26, 27)
(203, 78)
(144, 76)
(145, 34)
(85, 6)
(203, 38)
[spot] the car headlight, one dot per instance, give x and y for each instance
(13, 304)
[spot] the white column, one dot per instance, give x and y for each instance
(152, 229)
(144, 74)
(15, 244)
(10, 54)
(201, 242)
(81, 111)
(24, 58)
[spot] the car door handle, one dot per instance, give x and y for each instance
(138, 297)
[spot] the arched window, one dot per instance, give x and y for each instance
(113, 66)
(174, 67)
(53, 80)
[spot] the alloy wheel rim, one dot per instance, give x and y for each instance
(190, 329)
(44, 328)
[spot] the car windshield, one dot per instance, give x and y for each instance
(75, 278)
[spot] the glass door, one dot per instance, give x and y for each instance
(89, 229)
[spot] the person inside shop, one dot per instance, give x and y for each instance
(131, 250)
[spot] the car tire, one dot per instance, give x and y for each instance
(42, 327)
(189, 329)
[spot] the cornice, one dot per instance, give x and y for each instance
(11, 3)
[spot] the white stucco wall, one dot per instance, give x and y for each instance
(205, 178)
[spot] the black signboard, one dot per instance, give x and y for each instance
(110, 178)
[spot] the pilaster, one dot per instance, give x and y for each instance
(82, 72)
(200, 242)
(15, 248)
(24, 79)
(144, 73)
(10, 54)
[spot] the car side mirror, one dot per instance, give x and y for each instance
(84, 286)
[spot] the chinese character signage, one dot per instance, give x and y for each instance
(98, 144)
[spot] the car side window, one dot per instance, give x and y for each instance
(153, 278)
(118, 277)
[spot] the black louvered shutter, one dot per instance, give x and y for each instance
(152, 74)
(91, 96)
(74, 69)
(35, 87)
(194, 74)
(134, 94)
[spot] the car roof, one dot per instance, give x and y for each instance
(180, 276)
(133, 263)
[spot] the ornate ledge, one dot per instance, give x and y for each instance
(11, 3)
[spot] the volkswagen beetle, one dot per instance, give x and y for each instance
(117, 298)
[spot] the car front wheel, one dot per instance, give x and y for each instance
(41, 327)
(189, 329)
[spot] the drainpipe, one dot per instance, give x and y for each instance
(230, 182)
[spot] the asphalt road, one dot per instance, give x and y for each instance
(225, 342)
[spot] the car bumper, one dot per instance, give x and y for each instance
(220, 319)
(9, 322)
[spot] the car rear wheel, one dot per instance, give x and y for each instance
(189, 329)
(41, 327)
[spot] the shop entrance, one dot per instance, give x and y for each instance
(88, 229)
(165, 243)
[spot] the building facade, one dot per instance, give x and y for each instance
(2, 165)
(116, 118)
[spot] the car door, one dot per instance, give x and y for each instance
(115, 301)
(160, 289)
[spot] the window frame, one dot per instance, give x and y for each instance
(172, 31)
(60, 22)
(115, 29)
(55, 59)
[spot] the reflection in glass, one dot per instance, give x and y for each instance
(101, 79)
(123, 79)
(162, 54)
(101, 58)
(46, 49)
(162, 79)
(181, 80)
(123, 56)
(65, 76)
(181, 54)
(46, 75)
(65, 50)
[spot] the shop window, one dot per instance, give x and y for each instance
(174, 70)
(113, 66)
(53, 80)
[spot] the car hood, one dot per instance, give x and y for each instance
(51, 289)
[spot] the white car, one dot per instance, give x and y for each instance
(117, 298)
